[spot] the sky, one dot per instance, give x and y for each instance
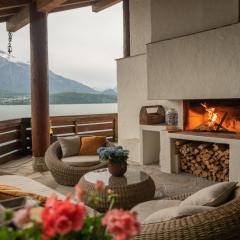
(83, 45)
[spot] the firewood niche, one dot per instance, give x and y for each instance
(208, 160)
(212, 115)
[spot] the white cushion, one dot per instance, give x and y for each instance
(82, 161)
(145, 209)
(213, 196)
(70, 145)
(175, 212)
(26, 184)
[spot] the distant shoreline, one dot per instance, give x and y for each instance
(21, 111)
(29, 104)
(61, 98)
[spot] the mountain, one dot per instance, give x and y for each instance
(110, 91)
(81, 98)
(15, 78)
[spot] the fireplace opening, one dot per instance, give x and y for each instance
(213, 115)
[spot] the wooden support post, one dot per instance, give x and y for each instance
(126, 29)
(39, 86)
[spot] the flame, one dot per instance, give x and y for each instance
(212, 116)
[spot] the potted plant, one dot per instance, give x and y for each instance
(117, 159)
(68, 219)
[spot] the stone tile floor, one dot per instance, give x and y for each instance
(166, 184)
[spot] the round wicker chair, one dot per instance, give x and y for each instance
(65, 174)
(221, 223)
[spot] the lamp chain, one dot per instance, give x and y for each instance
(9, 43)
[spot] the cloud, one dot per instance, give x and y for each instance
(82, 45)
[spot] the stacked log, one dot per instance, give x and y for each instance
(208, 160)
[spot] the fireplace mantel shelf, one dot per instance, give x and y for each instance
(206, 136)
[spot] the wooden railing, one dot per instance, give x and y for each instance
(15, 135)
(97, 124)
(15, 139)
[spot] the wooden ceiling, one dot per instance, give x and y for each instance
(16, 12)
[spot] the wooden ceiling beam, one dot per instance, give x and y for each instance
(49, 5)
(19, 20)
(73, 2)
(8, 12)
(103, 4)
(3, 19)
(66, 7)
(6, 4)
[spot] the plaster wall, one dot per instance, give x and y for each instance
(174, 18)
(155, 20)
(140, 25)
(132, 95)
(200, 66)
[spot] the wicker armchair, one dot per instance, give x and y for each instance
(221, 223)
(65, 174)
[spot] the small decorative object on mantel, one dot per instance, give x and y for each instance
(117, 159)
(148, 117)
(171, 117)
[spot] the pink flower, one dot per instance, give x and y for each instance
(99, 185)
(79, 192)
(121, 224)
(63, 225)
(61, 217)
(21, 217)
(68, 197)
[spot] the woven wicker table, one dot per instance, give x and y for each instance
(135, 187)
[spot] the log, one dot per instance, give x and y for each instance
(208, 160)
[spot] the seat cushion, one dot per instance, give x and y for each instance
(90, 144)
(175, 212)
(82, 161)
(28, 185)
(212, 196)
(145, 209)
(70, 145)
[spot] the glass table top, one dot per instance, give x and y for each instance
(132, 176)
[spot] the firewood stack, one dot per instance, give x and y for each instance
(208, 160)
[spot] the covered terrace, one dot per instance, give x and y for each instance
(34, 134)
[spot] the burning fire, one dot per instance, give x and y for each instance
(212, 116)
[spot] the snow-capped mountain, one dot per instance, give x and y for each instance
(15, 78)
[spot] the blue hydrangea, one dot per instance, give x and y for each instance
(114, 154)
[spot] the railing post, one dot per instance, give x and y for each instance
(76, 127)
(115, 129)
(23, 135)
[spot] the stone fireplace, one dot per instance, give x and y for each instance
(184, 60)
(207, 142)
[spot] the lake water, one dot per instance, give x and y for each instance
(21, 111)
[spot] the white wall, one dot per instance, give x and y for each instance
(132, 95)
(140, 25)
(164, 69)
(155, 20)
(174, 18)
(199, 66)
